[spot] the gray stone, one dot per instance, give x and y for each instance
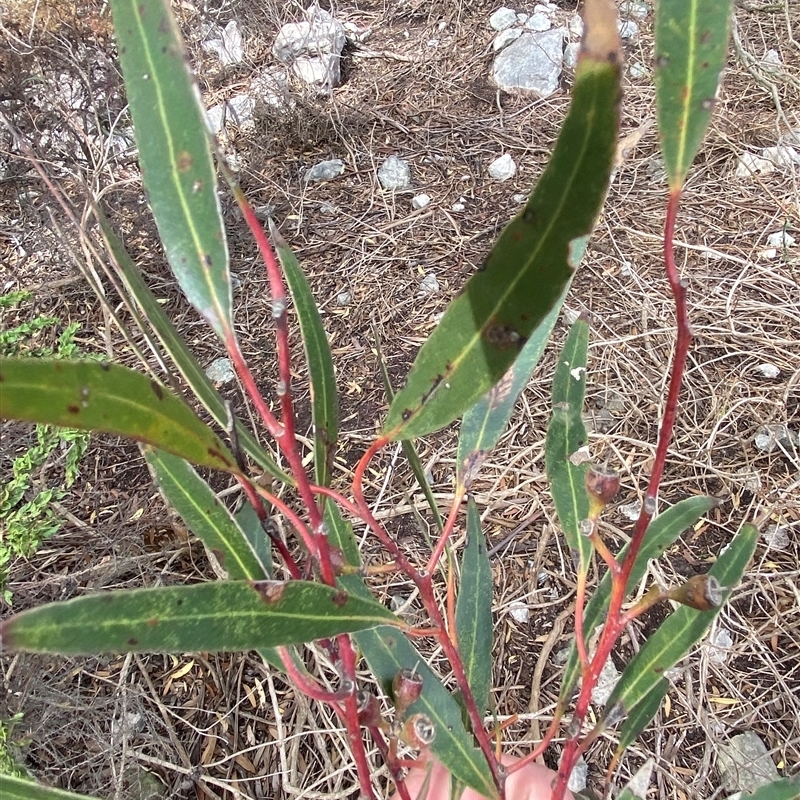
(571, 52)
(782, 155)
(503, 168)
(745, 764)
(531, 64)
(768, 370)
(429, 285)
(503, 18)
(749, 164)
(773, 437)
(780, 239)
(271, 87)
(628, 29)
(634, 8)
(637, 70)
(324, 171)
(344, 299)
(576, 25)
(607, 680)
(538, 21)
(220, 371)
(504, 38)
(420, 201)
(226, 43)
(237, 111)
(312, 48)
(776, 537)
(395, 173)
(578, 776)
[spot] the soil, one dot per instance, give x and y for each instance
(221, 725)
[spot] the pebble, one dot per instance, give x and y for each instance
(324, 171)
(503, 168)
(503, 18)
(420, 201)
(395, 173)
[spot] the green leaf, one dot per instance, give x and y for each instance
(387, 651)
(221, 615)
(642, 715)
(660, 534)
(324, 400)
(681, 630)
(183, 358)
(486, 327)
(565, 435)
(174, 154)
(474, 611)
(777, 790)
(204, 515)
(636, 787)
(257, 538)
(110, 398)
(13, 788)
(691, 43)
(485, 422)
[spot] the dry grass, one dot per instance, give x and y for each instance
(221, 726)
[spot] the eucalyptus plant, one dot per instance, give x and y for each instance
(281, 592)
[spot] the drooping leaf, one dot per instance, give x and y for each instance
(257, 538)
(661, 533)
(204, 515)
(324, 400)
(641, 716)
(221, 615)
(636, 787)
(13, 788)
(777, 790)
(485, 422)
(691, 43)
(566, 434)
(183, 358)
(485, 328)
(110, 398)
(682, 629)
(474, 611)
(174, 154)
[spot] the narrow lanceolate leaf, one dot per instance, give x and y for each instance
(641, 716)
(324, 400)
(486, 327)
(485, 422)
(388, 651)
(777, 790)
(222, 615)
(174, 154)
(183, 358)
(682, 629)
(257, 538)
(108, 398)
(12, 788)
(566, 434)
(691, 42)
(205, 516)
(636, 787)
(661, 533)
(474, 611)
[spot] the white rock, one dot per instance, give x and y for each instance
(503, 18)
(749, 164)
(609, 676)
(768, 370)
(637, 70)
(776, 537)
(226, 43)
(782, 155)
(791, 138)
(428, 286)
(420, 201)
(457, 207)
(578, 776)
(631, 511)
(220, 371)
(776, 436)
(504, 38)
(538, 21)
(237, 111)
(771, 61)
(322, 72)
(344, 299)
(634, 8)
(271, 87)
(628, 29)
(433, 42)
(745, 763)
(780, 239)
(718, 645)
(519, 198)
(748, 479)
(769, 253)
(522, 17)
(395, 173)
(531, 64)
(503, 168)
(324, 171)
(576, 25)
(568, 316)
(519, 611)
(571, 52)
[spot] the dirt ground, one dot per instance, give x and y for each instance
(220, 725)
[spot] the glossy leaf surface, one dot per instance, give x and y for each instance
(661, 533)
(174, 154)
(566, 434)
(221, 615)
(474, 611)
(486, 327)
(13, 788)
(324, 400)
(682, 629)
(691, 44)
(183, 358)
(205, 516)
(487, 420)
(109, 398)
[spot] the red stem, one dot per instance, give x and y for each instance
(615, 619)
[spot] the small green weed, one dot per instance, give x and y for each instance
(8, 764)
(27, 499)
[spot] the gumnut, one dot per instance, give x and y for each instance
(602, 486)
(406, 688)
(702, 592)
(531, 782)
(418, 731)
(369, 710)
